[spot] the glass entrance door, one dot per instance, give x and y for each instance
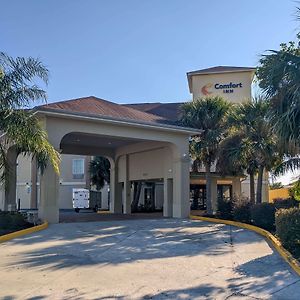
(198, 197)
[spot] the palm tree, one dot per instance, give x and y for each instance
(236, 155)
(21, 128)
(279, 78)
(210, 116)
(255, 142)
(99, 172)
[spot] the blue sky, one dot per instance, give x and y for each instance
(137, 50)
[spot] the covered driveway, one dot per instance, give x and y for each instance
(144, 259)
(139, 146)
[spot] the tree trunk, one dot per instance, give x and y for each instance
(208, 189)
(259, 184)
(10, 183)
(252, 188)
(136, 196)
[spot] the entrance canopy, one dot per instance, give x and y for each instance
(139, 145)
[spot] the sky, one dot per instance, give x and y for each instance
(140, 50)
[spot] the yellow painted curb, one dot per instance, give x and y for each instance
(103, 212)
(287, 256)
(10, 236)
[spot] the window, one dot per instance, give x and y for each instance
(78, 168)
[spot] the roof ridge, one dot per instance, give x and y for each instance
(106, 108)
(144, 112)
(76, 99)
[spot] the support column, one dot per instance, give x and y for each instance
(115, 189)
(168, 197)
(181, 187)
(236, 187)
(10, 190)
(214, 194)
(87, 162)
(33, 196)
(49, 189)
(127, 189)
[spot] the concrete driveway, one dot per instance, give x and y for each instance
(144, 259)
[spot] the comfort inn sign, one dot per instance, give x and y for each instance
(227, 88)
(232, 83)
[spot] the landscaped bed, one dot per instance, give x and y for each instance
(12, 221)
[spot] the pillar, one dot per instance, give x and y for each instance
(33, 196)
(10, 190)
(87, 175)
(49, 189)
(115, 189)
(214, 194)
(127, 188)
(236, 187)
(181, 186)
(168, 197)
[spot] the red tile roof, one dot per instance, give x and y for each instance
(99, 107)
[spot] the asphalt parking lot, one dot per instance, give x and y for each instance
(144, 259)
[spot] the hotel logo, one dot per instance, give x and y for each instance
(206, 89)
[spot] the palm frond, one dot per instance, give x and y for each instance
(291, 164)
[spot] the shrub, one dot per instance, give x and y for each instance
(242, 211)
(225, 206)
(285, 203)
(11, 221)
(263, 215)
(288, 229)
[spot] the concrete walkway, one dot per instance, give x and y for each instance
(144, 259)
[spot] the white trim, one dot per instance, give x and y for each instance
(71, 183)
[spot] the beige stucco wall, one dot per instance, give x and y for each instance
(210, 80)
(66, 180)
(146, 165)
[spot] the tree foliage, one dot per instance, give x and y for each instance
(210, 116)
(99, 171)
(279, 77)
(252, 144)
(20, 127)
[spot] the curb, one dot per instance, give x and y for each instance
(103, 212)
(10, 236)
(286, 255)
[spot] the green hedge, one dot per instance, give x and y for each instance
(285, 203)
(242, 212)
(263, 215)
(225, 207)
(12, 221)
(288, 229)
